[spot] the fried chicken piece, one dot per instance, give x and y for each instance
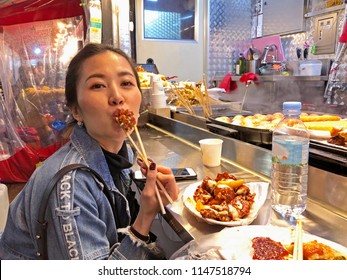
(125, 119)
(223, 193)
(202, 195)
(242, 206)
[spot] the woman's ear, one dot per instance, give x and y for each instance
(75, 113)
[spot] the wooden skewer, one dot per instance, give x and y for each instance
(298, 245)
(162, 208)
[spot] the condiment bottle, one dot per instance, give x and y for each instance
(240, 65)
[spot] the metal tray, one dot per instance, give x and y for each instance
(247, 134)
(331, 148)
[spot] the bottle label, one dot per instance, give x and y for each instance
(292, 151)
(237, 69)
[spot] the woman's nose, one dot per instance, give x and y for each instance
(116, 97)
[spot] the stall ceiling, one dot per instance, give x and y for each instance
(24, 11)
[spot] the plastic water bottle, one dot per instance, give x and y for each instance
(290, 151)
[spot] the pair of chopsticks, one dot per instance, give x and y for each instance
(298, 245)
(142, 153)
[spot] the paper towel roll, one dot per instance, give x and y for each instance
(4, 204)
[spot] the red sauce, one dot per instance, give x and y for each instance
(267, 249)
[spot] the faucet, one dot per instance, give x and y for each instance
(266, 51)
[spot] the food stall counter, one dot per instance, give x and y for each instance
(173, 150)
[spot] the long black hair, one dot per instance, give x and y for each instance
(73, 74)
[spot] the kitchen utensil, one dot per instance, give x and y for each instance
(298, 53)
(305, 53)
(298, 245)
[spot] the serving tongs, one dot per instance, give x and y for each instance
(298, 244)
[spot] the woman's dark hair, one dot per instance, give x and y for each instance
(73, 74)
(73, 71)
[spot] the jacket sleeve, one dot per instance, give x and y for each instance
(135, 249)
(84, 226)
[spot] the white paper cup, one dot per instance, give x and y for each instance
(158, 100)
(211, 149)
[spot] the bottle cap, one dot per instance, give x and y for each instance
(291, 107)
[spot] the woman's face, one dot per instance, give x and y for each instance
(107, 84)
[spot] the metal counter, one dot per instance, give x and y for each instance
(175, 144)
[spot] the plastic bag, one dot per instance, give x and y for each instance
(33, 114)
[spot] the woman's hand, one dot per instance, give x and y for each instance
(149, 204)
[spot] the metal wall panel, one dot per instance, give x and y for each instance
(230, 25)
(231, 29)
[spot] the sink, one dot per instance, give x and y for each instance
(273, 68)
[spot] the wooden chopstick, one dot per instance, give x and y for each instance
(162, 208)
(142, 154)
(298, 244)
(162, 188)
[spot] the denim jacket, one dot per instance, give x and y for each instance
(80, 219)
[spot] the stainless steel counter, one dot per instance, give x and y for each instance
(175, 144)
(272, 78)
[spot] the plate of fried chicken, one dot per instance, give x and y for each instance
(225, 200)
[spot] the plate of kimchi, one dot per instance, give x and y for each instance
(225, 200)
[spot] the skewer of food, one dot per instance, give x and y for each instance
(126, 120)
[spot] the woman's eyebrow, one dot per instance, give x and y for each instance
(96, 75)
(120, 74)
(125, 73)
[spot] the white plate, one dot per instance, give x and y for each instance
(259, 188)
(239, 245)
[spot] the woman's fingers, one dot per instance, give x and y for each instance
(163, 174)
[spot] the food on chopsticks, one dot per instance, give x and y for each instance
(126, 120)
(225, 198)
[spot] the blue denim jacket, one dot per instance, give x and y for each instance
(81, 222)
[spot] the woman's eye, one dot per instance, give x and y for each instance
(97, 86)
(127, 84)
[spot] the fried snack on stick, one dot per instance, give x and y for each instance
(126, 120)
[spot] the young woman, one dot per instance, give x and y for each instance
(100, 80)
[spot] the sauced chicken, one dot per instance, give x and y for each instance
(224, 199)
(315, 250)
